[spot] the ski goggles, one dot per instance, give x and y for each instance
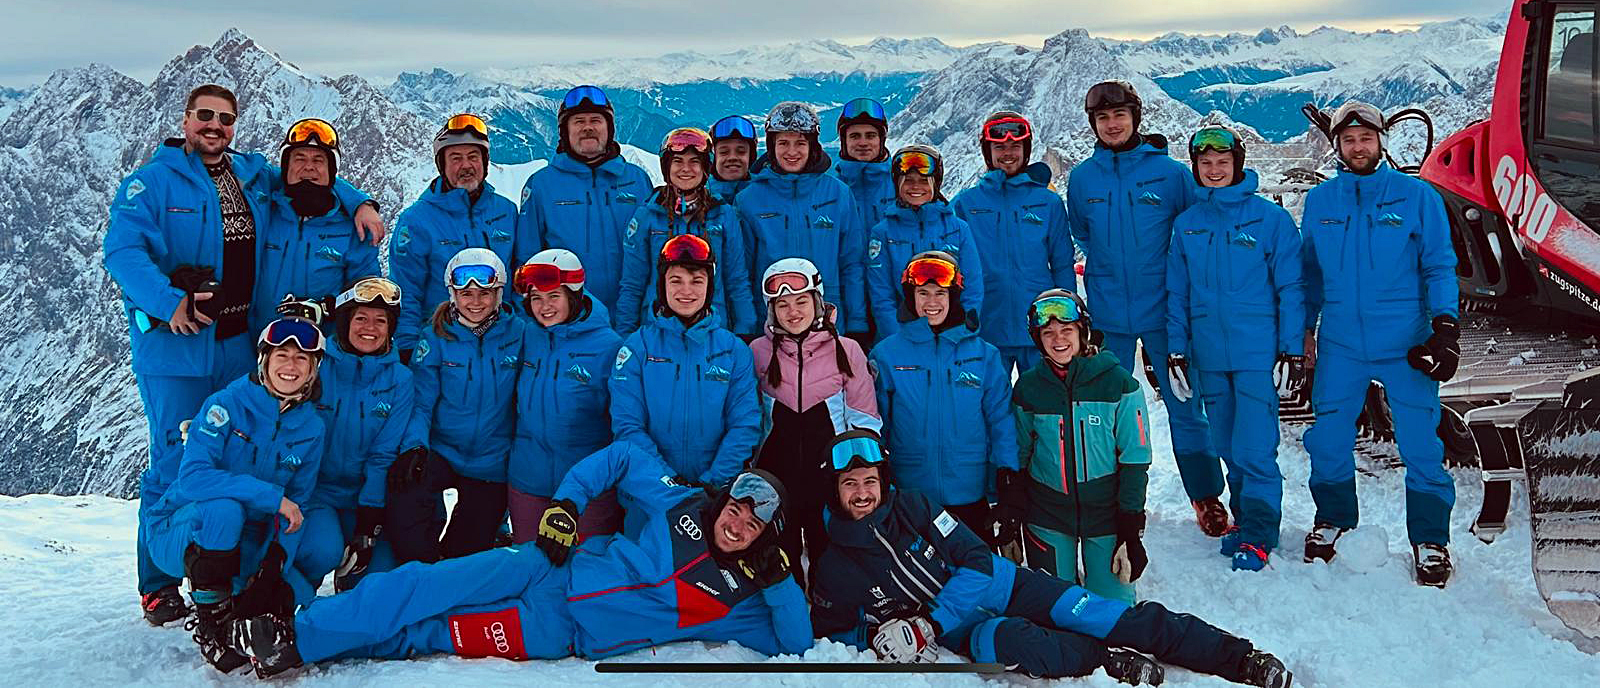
(1109, 94)
(308, 132)
(856, 452)
(862, 108)
(686, 248)
(545, 277)
(578, 94)
(1007, 129)
(786, 283)
(207, 114)
(733, 127)
(370, 290)
(472, 124)
(759, 494)
(1213, 138)
(931, 270)
(914, 161)
(301, 332)
(1054, 308)
(687, 138)
(483, 276)
(1356, 114)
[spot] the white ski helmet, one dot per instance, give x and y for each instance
(475, 266)
(1354, 113)
(567, 271)
(791, 276)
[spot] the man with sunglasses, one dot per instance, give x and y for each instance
(733, 151)
(1020, 227)
(182, 245)
(582, 201)
(863, 163)
(1380, 271)
(459, 210)
(903, 577)
(1121, 202)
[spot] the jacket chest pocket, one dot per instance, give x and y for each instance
(457, 375)
(1244, 260)
(772, 229)
(185, 230)
(1094, 441)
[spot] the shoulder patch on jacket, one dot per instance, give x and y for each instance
(420, 352)
(874, 247)
(217, 416)
(623, 354)
(945, 523)
(135, 188)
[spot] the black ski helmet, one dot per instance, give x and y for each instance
(997, 116)
(1218, 138)
(853, 438)
(909, 284)
(1113, 94)
(691, 251)
(1090, 338)
(895, 171)
(585, 98)
(864, 111)
(310, 133)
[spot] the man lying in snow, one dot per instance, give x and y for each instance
(704, 566)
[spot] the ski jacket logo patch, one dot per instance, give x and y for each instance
(217, 416)
(823, 222)
(1243, 239)
(509, 361)
(623, 355)
(1150, 198)
(382, 409)
(688, 527)
(526, 192)
(1032, 219)
(968, 379)
(330, 254)
(625, 197)
(135, 188)
(718, 374)
(952, 249)
(874, 247)
(1391, 219)
(501, 236)
(578, 373)
(291, 460)
(420, 352)
(714, 229)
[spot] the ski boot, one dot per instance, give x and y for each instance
(269, 643)
(163, 606)
(1212, 516)
(1249, 557)
(1264, 670)
(1433, 564)
(1230, 541)
(210, 574)
(209, 628)
(1320, 542)
(1132, 668)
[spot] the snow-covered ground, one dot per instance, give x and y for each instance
(67, 572)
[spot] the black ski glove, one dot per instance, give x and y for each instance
(558, 531)
(358, 553)
(1129, 558)
(1013, 507)
(314, 309)
(1438, 357)
(1289, 374)
(767, 568)
(409, 470)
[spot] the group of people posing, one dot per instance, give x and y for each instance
(699, 399)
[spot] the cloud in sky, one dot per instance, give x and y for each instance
(378, 39)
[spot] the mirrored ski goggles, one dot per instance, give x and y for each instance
(207, 114)
(1055, 308)
(759, 494)
(369, 290)
(785, 283)
(856, 452)
(545, 277)
(1212, 138)
(468, 275)
(686, 247)
(301, 332)
(1007, 129)
(312, 131)
(862, 107)
(1107, 94)
(687, 138)
(468, 123)
(733, 127)
(914, 161)
(578, 94)
(931, 270)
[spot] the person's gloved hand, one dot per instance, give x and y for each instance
(409, 470)
(1129, 559)
(768, 567)
(906, 641)
(358, 553)
(1178, 376)
(1289, 374)
(558, 531)
(1439, 356)
(1010, 512)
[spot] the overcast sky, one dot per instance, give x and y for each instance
(378, 39)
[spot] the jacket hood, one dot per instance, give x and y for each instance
(1152, 145)
(171, 154)
(932, 211)
(700, 331)
(1234, 193)
(454, 202)
(1035, 174)
(765, 165)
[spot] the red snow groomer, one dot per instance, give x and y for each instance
(1523, 193)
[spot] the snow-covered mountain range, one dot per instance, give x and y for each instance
(71, 421)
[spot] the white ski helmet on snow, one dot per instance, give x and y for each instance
(1354, 113)
(791, 276)
(475, 267)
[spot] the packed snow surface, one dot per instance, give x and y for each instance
(67, 570)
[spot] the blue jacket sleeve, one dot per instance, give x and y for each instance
(883, 380)
(997, 411)
(1076, 224)
(201, 471)
(736, 280)
(360, 261)
(1178, 298)
(408, 267)
(852, 257)
(1063, 259)
(1438, 258)
(390, 441)
(791, 625)
(635, 273)
(972, 269)
(530, 224)
(633, 471)
(961, 549)
(425, 384)
(133, 231)
(741, 412)
(304, 479)
(629, 416)
(1310, 273)
(349, 196)
(880, 280)
(1286, 265)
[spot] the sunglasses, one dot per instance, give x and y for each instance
(1212, 138)
(733, 127)
(370, 290)
(687, 138)
(856, 452)
(931, 270)
(1109, 94)
(301, 332)
(915, 161)
(1054, 308)
(307, 131)
(1007, 129)
(577, 95)
(785, 283)
(466, 275)
(686, 247)
(862, 107)
(545, 277)
(206, 114)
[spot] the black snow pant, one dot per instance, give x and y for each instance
(416, 517)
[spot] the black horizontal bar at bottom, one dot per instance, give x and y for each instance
(792, 668)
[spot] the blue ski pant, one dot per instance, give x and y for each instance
(1338, 392)
(168, 401)
(1198, 465)
(1242, 408)
(217, 525)
(324, 534)
(506, 602)
(1052, 628)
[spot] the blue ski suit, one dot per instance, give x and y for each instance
(568, 204)
(1379, 267)
(466, 391)
(687, 395)
(946, 406)
(658, 584)
(911, 558)
(870, 184)
(650, 229)
(1024, 247)
(1121, 207)
(430, 232)
(242, 458)
(727, 190)
(1232, 276)
(811, 215)
(563, 398)
(904, 232)
(310, 257)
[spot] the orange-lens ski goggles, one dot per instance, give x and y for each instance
(931, 270)
(466, 122)
(915, 161)
(686, 247)
(545, 277)
(312, 131)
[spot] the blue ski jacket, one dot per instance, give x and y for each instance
(946, 407)
(1020, 227)
(366, 405)
(872, 186)
(432, 231)
(903, 233)
(466, 390)
(650, 229)
(808, 215)
(310, 257)
(728, 190)
(687, 395)
(563, 398)
(1121, 207)
(1232, 277)
(568, 204)
(1378, 263)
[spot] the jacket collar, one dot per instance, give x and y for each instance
(455, 202)
(613, 167)
(1233, 194)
